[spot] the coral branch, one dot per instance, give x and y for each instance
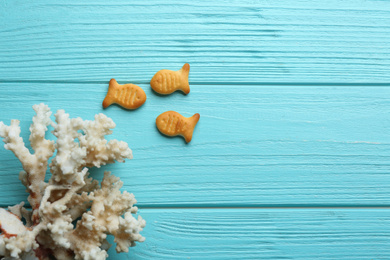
(43, 148)
(34, 165)
(99, 151)
(15, 143)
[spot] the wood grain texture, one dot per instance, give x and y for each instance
(228, 42)
(253, 145)
(317, 234)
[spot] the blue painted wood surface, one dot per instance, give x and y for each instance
(290, 159)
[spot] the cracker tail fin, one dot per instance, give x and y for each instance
(108, 100)
(186, 89)
(193, 121)
(185, 71)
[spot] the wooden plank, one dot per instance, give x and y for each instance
(231, 42)
(253, 146)
(318, 234)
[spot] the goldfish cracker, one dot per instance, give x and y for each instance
(167, 81)
(171, 123)
(129, 96)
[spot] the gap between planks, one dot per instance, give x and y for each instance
(266, 207)
(235, 83)
(287, 207)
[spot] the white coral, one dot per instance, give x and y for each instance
(70, 193)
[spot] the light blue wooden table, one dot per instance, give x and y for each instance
(291, 156)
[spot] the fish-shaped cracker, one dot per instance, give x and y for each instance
(167, 81)
(129, 96)
(172, 123)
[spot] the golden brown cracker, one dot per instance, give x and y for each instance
(172, 123)
(167, 81)
(129, 96)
